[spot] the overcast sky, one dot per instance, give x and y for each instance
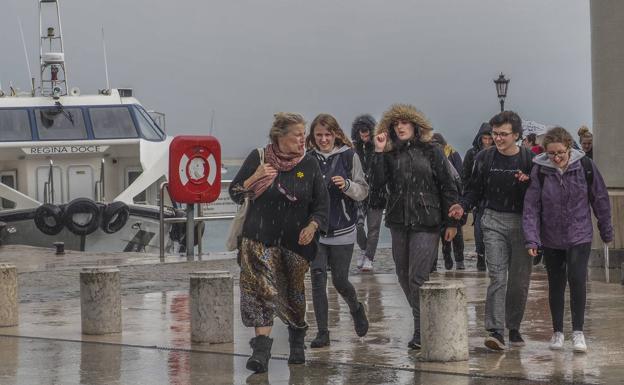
(247, 59)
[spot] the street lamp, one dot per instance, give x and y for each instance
(501, 89)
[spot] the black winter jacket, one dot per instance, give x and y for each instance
(420, 185)
(376, 197)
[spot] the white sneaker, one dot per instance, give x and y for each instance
(556, 342)
(368, 265)
(361, 259)
(578, 339)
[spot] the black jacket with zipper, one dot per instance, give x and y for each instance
(420, 185)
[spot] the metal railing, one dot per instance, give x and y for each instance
(189, 237)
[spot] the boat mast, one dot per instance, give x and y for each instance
(51, 54)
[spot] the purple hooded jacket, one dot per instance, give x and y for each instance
(557, 215)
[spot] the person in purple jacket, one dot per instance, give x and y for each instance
(565, 184)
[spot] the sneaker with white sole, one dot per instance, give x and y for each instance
(368, 265)
(361, 259)
(556, 341)
(578, 340)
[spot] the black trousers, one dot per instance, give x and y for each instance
(567, 267)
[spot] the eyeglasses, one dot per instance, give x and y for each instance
(501, 134)
(288, 196)
(559, 154)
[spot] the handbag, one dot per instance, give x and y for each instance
(236, 226)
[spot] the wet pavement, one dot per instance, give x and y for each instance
(154, 347)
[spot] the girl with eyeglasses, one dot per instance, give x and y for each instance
(565, 186)
(288, 206)
(346, 183)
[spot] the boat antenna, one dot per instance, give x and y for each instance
(19, 21)
(212, 119)
(105, 59)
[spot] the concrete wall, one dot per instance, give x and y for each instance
(607, 50)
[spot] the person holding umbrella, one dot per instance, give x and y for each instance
(565, 186)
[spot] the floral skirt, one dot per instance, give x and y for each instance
(271, 283)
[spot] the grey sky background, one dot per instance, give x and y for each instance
(247, 59)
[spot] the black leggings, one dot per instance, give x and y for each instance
(338, 258)
(567, 266)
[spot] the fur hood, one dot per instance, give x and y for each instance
(362, 122)
(403, 112)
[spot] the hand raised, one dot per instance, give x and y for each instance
(380, 142)
(456, 211)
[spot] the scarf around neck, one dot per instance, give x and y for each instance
(281, 161)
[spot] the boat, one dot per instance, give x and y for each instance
(84, 170)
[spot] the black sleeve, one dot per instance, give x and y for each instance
(446, 185)
(467, 167)
(236, 190)
(319, 207)
(379, 171)
(474, 190)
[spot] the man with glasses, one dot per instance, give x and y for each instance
(499, 181)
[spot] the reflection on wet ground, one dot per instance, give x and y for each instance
(155, 347)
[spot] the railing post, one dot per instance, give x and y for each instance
(161, 239)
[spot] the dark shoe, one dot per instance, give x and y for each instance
(259, 360)
(460, 265)
(321, 340)
(415, 342)
(360, 322)
(515, 338)
(480, 262)
(495, 341)
(297, 345)
(448, 262)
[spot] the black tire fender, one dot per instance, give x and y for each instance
(44, 213)
(82, 206)
(114, 217)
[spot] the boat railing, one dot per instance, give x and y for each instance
(201, 218)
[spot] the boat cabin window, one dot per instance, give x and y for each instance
(14, 125)
(112, 122)
(149, 129)
(60, 123)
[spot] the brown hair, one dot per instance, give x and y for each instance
(557, 135)
(583, 132)
(281, 124)
(332, 126)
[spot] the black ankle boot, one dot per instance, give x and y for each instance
(321, 340)
(259, 360)
(360, 322)
(448, 262)
(297, 345)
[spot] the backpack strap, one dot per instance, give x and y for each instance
(588, 170)
(261, 154)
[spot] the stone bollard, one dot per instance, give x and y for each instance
(212, 307)
(443, 321)
(100, 300)
(8, 295)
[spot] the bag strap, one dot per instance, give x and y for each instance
(261, 154)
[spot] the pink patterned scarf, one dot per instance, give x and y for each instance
(280, 161)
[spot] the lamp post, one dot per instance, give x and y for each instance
(501, 89)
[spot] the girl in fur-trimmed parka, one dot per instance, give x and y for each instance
(421, 190)
(346, 184)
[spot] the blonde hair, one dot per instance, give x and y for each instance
(282, 123)
(329, 122)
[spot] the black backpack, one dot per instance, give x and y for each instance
(588, 170)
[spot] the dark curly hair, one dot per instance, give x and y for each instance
(508, 117)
